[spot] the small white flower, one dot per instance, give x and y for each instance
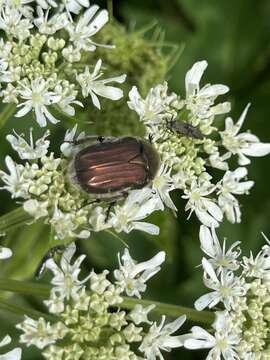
(219, 257)
(74, 6)
(71, 6)
(201, 101)
(35, 208)
(159, 338)
(10, 93)
(40, 333)
(207, 211)
(15, 182)
(152, 109)
(65, 280)
(222, 344)
(67, 100)
(56, 303)
(38, 97)
(226, 289)
(51, 25)
(243, 144)
(29, 151)
(71, 54)
(67, 147)
(163, 183)
(99, 282)
(19, 5)
(98, 219)
(139, 314)
(131, 277)
(259, 266)
(45, 4)
(229, 185)
(88, 25)
(91, 84)
(137, 206)
(5, 253)
(14, 354)
(13, 24)
(65, 225)
(219, 162)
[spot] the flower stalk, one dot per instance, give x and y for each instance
(12, 219)
(110, 9)
(6, 114)
(174, 311)
(22, 311)
(205, 317)
(24, 287)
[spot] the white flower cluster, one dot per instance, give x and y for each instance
(241, 289)
(185, 134)
(87, 327)
(44, 183)
(71, 6)
(41, 57)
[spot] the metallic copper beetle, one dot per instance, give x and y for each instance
(111, 167)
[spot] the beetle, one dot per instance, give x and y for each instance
(109, 168)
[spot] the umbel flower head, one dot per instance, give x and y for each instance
(46, 189)
(41, 57)
(184, 131)
(240, 289)
(90, 323)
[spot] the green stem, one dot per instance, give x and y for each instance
(9, 110)
(31, 288)
(24, 287)
(205, 317)
(13, 219)
(110, 9)
(22, 310)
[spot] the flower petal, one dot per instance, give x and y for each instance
(194, 75)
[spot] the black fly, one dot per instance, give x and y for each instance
(185, 129)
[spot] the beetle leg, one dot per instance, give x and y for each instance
(96, 201)
(88, 138)
(151, 138)
(109, 209)
(113, 202)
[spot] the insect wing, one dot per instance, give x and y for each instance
(112, 166)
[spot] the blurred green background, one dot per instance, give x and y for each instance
(234, 37)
